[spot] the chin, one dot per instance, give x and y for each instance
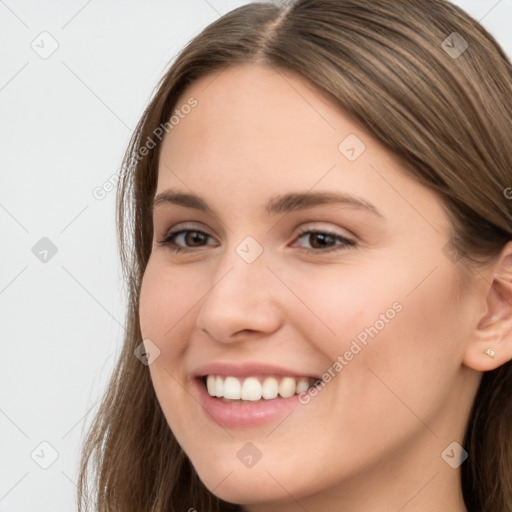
(262, 483)
(227, 478)
(245, 487)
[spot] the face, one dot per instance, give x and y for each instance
(346, 283)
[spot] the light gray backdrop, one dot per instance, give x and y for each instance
(74, 78)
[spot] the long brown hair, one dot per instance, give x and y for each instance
(396, 67)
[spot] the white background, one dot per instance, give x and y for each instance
(65, 122)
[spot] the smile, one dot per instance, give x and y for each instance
(256, 388)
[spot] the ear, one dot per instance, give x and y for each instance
(494, 329)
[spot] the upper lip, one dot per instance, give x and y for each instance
(246, 369)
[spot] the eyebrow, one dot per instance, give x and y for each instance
(278, 204)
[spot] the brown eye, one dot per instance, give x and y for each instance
(324, 241)
(189, 237)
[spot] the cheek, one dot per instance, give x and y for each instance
(394, 328)
(165, 314)
(409, 344)
(164, 305)
(152, 303)
(343, 304)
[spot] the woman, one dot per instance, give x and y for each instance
(315, 224)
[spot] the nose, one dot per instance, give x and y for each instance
(241, 302)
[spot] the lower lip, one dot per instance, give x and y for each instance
(247, 414)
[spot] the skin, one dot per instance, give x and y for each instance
(372, 439)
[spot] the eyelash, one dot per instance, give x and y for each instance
(345, 241)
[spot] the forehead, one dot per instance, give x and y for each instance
(257, 130)
(244, 106)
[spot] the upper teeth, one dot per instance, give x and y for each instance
(251, 388)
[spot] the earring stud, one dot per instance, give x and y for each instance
(489, 352)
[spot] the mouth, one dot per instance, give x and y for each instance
(236, 396)
(232, 389)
